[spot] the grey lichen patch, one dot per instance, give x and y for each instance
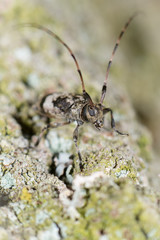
(8, 181)
(6, 106)
(122, 173)
(62, 162)
(7, 160)
(41, 216)
(53, 230)
(33, 80)
(22, 55)
(58, 144)
(9, 126)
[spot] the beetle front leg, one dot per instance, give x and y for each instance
(50, 125)
(75, 139)
(106, 110)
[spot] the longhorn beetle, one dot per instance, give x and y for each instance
(75, 107)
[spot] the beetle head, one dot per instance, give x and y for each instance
(94, 114)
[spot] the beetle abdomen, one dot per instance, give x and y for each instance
(55, 105)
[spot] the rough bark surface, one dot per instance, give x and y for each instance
(43, 195)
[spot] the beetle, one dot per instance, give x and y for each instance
(77, 108)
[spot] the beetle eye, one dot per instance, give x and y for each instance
(91, 111)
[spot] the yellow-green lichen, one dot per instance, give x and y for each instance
(144, 146)
(125, 170)
(25, 195)
(23, 14)
(117, 212)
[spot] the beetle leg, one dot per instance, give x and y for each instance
(75, 139)
(113, 122)
(48, 126)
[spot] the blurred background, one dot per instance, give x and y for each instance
(91, 29)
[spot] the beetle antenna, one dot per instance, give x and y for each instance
(38, 26)
(104, 87)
